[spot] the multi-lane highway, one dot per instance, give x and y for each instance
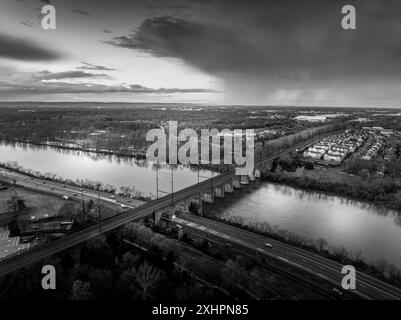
(367, 287)
(73, 192)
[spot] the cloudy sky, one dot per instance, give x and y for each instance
(278, 52)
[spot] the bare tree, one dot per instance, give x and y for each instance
(147, 277)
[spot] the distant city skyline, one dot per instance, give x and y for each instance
(203, 52)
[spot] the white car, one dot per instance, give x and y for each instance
(66, 197)
(268, 245)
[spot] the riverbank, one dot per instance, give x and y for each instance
(139, 155)
(87, 184)
(382, 270)
(382, 192)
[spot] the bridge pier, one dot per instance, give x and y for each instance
(157, 216)
(208, 197)
(251, 176)
(244, 180)
(228, 187)
(237, 182)
(219, 191)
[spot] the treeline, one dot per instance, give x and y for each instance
(107, 269)
(380, 268)
(379, 190)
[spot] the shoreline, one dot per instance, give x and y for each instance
(139, 156)
(291, 183)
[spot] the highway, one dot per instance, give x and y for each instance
(73, 192)
(367, 287)
(141, 211)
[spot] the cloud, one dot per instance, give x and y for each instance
(23, 49)
(260, 47)
(74, 74)
(90, 66)
(64, 87)
(81, 12)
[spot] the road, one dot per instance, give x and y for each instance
(367, 287)
(143, 210)
(73, 192)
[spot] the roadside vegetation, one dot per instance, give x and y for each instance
(381, 268)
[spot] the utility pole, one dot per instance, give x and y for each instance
(100, 216)
(172, 190)
(83, 206)
(157, 180)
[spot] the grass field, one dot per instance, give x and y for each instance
(37, 204)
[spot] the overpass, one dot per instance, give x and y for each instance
(207, 191)
(180, 200)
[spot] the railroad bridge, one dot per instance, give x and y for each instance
(208, 192)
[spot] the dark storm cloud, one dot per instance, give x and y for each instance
(208, 47)
(90, 66)
(296, 40)
(23, 49)
(74, 74)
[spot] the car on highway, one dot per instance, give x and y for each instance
(268, 245)
(44, 182)
(123, 206)
(75, 195)
(81, 189)
(112, 197)
(64, 186)
(66, 197)
(337, 291)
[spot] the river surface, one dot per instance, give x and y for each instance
(358, 226)
(109, 169)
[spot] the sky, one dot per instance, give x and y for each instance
(270, 52)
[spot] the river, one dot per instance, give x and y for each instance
(358, 226)
(109, 169)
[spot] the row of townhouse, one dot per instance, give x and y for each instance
(372, 152)
(337, 147)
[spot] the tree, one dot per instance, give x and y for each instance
(321, 244)
(147, 277)
(81, 291)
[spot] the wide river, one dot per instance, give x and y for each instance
(358, 226)
(109, 169)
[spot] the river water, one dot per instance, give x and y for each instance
(358, 226)
(109, 169)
